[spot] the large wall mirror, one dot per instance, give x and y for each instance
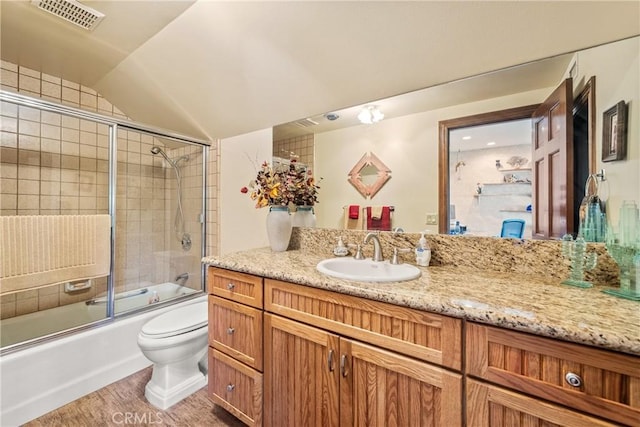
(407, 141)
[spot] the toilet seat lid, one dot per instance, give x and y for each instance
(177, 321)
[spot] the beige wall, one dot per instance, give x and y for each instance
(242, 226)
(53, 164)
(616, 67)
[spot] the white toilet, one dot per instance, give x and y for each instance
(176, 343)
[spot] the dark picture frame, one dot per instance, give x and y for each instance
(614, 133)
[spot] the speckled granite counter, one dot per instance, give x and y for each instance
(539, 305)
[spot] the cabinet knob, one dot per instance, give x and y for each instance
(573, 379)
(231, 387)
(230, 331)
(230, 286)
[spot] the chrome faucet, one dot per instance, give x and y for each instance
(377, 249)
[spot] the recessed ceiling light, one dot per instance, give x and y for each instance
(491, 143)
(466, 137)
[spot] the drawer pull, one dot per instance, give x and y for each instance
(573, 380)
(230, 286)
(230, 331)
(343, 365)
(330, 361)
(231, 387)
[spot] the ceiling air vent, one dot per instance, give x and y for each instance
(72, 11)
(305, 123)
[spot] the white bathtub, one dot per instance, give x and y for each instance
(43, 377)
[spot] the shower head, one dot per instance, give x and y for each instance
(157, 150)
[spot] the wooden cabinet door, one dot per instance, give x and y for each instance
(381, 388)
(300, 374)
(491, 406)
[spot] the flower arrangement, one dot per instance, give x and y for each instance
(282, 186)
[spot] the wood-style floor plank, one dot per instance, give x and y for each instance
(123, 403)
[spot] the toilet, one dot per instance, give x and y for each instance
(176, 343)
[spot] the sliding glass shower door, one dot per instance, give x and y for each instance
(99, 218)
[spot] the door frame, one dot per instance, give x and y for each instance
(444, 127)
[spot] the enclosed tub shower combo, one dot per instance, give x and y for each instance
(102, 228)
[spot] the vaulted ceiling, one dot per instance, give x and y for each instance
(221, 68)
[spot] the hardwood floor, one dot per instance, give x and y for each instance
(123, 403)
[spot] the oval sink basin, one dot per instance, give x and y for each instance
(367, 270)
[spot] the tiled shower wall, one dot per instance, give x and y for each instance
(53, 164)
(299, 148)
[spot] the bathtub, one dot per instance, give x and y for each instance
(38, 379)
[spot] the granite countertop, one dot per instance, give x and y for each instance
(537, 305)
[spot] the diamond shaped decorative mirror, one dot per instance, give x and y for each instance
(369, 175)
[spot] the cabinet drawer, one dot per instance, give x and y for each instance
(239, 287)
(605, 384)
(236, 330)
(491, 406)
(235, 387)
(426, 336)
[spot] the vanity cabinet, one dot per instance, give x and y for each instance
(319, 371)
(235, 343)
(597, 382)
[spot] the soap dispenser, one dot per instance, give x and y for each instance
(340, 249)
(423, 252)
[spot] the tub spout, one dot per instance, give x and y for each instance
(181, 279)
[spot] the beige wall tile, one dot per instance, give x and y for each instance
(8, 202)
(8, 139)
(28, 156)
(50, 188)
(8, 186)
(50, 160)
(50, 145)
(29, 84)
(51, 79)
(50, 203)
(28, 202)
(48, 301)
(28, 142)
(50, 131)
(69, 84)
(9, 79)
(8, 110)
(28, 172)
(9, 124)
(70, 204)
(8, 170)
(70, 135)
(28, 187)
(71, 122)
(7, 310)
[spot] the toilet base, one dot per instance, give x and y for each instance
(169, 386)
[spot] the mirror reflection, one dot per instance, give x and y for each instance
(407, 141)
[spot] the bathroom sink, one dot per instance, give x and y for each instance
(367, 270)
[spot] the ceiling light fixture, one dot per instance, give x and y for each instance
(370, 114)
(491, 143)
(466, 138)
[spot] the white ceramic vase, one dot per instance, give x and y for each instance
(304, 217)
(279, 226)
